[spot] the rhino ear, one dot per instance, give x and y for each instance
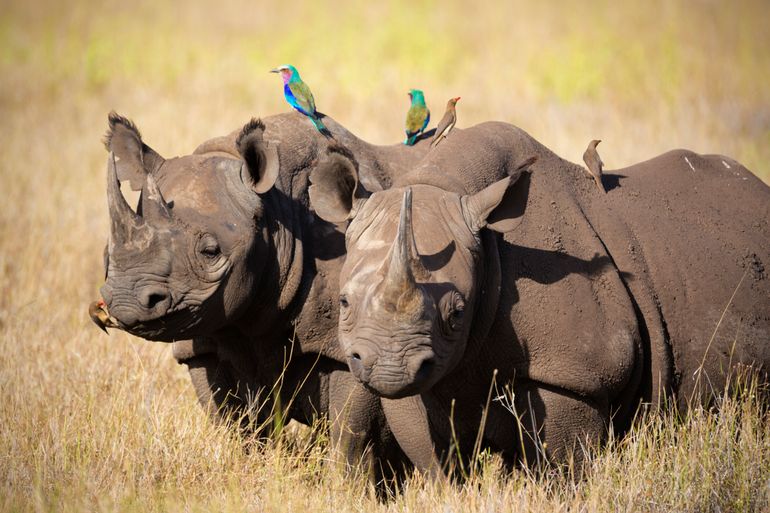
(134, 159)
(261, 158)
(500, 206)
(335, 192)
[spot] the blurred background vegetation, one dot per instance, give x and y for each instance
(89, 420)
(645, 77)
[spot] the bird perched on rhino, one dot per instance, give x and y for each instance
(299, 96)
(417, 118)
(594, 163)
(447, 123)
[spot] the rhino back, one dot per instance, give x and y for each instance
(699, 227)
(473, 158)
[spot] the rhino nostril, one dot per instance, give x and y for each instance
(357, 366)
(426, 367)
(154, 299)
(150, 299)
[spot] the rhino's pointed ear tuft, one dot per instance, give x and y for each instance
(500, 206)
(335, 192)
(134, 158)
(117, 125)
(260, 157)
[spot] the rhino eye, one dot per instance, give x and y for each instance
(344, 301)
(456, 311)
(209, 247)
(211, 251)
(456, 317)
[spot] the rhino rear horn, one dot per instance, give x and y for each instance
(260, 158)
(123, 220)
(153, 204)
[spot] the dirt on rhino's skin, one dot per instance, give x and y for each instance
(586, 303)
(224, 258)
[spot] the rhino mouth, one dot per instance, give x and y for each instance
(171, 326)
(393, 382)
(395, 392)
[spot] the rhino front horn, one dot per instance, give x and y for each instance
(401, 290)
(123, 220)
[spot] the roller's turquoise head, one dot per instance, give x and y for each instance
(417, 97)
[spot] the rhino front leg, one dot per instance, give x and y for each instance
(408, 419)
(212, 379)
(360, 432)
(352, 410)
(554, 425)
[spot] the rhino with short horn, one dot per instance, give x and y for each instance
(525, 312)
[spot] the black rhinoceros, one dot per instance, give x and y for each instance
(224, 257)
(468, 278)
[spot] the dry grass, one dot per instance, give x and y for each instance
(90, 423)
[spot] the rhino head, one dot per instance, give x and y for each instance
(186, 254)
(410, 282)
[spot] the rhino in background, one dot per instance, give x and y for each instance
(224, 252)
(584, 305)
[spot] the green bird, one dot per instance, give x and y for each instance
(417, 118)
(298, 95)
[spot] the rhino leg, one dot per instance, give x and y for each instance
(554, 424)
(351, 408)
(213, 381)
(360, 435)
(408, 419)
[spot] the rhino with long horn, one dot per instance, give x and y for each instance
(224, 251)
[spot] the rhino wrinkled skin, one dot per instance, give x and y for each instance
(482, 285)
(224, 258)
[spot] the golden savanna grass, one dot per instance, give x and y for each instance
(96, 423)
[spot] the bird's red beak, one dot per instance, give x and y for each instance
(457, 99)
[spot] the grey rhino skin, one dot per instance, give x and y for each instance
(472, 289)
(224, 252)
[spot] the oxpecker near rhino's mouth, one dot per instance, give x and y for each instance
(172, 326)
(100, 315)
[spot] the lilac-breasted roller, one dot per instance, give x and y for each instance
(298, 94)
(417, 118)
